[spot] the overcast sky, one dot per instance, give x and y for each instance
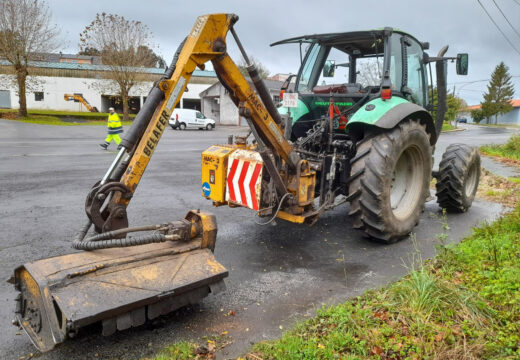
(462, 24)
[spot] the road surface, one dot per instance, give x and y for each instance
(278, 274)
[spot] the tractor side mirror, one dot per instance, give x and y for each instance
(462, 64)
(328, 68)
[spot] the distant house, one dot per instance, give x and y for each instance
(59, 74)
(512, 117)
(217, 105)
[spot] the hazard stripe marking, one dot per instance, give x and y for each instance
(252, 186)
(230, 180)
(245, 167)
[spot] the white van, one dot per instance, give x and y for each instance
(188, 118)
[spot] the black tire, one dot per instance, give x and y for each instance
(209, 127)
(182, 126)
(458, 177)
(390, 177)
(173, 127)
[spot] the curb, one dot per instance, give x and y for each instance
(453, 130)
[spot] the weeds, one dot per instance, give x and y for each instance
(509, 150)
(464, 304)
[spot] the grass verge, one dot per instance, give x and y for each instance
(508, 152)
(54, 117)
(463, 304)
(446, 126)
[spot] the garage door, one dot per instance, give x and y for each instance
(5, 99)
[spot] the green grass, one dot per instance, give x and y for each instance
(60, 114)
(463, 304)
(447, 126)
(509, 150)
(180, 351)
(53, 120)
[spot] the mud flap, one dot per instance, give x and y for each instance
(121, 287)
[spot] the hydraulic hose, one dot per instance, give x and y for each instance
(106, 240)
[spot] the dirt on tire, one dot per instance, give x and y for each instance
(458, 177)
(390, 181)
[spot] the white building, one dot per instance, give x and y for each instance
(50, 81)
(217, 105)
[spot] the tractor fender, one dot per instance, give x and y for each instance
(386, 114)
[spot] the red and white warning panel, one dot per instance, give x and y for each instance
(244, 178)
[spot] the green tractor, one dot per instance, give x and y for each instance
(365, 105)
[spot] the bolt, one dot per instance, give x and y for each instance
(120, 213)
(101, 197)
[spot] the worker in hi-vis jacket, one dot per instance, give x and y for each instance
(114, 129)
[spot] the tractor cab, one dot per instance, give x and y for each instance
(340, 72)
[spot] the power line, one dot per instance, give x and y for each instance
(475, 81)
(504, 15)
(498, 27)
(516, 1)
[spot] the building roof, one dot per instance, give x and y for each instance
(93, 67)
(270, 84)
(514, 102)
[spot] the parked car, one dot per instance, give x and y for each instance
(187, 118)
(463, 120)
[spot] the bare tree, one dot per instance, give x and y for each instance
(369, 71)
(120, 42)
(262, 69)
(26, 32)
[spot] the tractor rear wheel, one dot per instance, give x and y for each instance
(458, 177)
(390, 181)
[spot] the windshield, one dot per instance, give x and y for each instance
(326, 65)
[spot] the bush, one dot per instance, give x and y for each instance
(513, 144)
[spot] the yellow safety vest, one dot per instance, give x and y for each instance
(114, 124)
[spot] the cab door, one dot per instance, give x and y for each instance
(415, 86)
(200, 119)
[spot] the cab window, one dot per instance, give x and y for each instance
(396, 62)
(307, 71)
(200, 115)
(415, 72)
(335, 69)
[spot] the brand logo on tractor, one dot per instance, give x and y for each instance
(206, 189)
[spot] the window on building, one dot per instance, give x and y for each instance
(38, 96)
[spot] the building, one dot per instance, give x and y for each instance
(512, 117)
(217, 105)
(62, 74)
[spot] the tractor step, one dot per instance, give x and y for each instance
(119, 287)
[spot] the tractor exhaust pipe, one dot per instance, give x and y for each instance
(440, 69)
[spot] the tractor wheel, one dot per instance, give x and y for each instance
(458, 177)
(390, 181)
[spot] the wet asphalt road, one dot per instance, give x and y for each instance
(278, 274)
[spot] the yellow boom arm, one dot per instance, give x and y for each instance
(206, 42)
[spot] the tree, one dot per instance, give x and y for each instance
(155, 60)
(263, 72)
(90, 51)
(454, 105)
(121, 43)
(500, 91)
(25, 31)
(477, 115)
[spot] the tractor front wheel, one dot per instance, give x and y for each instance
(458, 177)
(390, 181)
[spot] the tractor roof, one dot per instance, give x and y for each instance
(357, 43)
